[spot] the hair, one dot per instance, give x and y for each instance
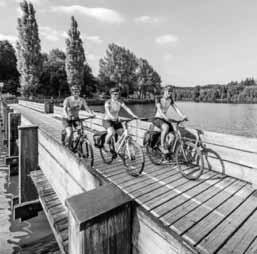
(114, 89)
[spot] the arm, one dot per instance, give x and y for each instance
(65, 108)
(107, 110)
(86, 107)
(160, 112)
(128, 110)
(178, 111)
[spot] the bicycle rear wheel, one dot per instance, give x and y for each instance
(85, 151)
(133, 158)
(189, 160)
(107, 152)
(213, 160)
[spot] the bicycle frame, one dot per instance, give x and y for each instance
(122, 139)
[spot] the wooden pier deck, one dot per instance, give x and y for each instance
(212, 215)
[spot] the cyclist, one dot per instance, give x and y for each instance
(71, 107)
(111, 118)
(161, 120)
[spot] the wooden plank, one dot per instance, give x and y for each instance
(224, 230)
(55, 212)
(205, 226)
(243, 237)
(28, 161)
(173, 191)
(185, 216)
(252, 248)
(208, 190)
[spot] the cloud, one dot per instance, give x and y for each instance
(50, 33)
(2, 3)
(11, 38)
(166, 39)
(95, 39)
(101, 14)
(92, 57)
(32, 1)
(167, 57)
(147, 20)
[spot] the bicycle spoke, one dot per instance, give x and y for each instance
(133, 158)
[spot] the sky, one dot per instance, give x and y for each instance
(188, 42)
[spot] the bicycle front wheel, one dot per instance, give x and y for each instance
(86, 152)
(213, 160)
(107, 152)
(133, 158)
(189, 160)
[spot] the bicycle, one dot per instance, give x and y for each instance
(190, 154)
(123, 146)
(80, 143)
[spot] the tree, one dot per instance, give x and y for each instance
(75, 56)
(148, 80)
(28, 50)
(196, 93)
(118, 67)
(8, 71)
(53, 81)
(90, 82)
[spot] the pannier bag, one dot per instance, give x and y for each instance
(151, 138)
(99, 138)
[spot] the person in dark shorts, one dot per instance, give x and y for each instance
(161, 120)
(71, 107)
(111, 118)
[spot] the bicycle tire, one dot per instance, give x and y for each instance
(209, 153)
(86, 152)
(106, 154)
(133, 152)
(187, 159)
(154, 154)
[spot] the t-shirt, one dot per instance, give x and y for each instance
(114, 108)
(164, 103)
(73, 106)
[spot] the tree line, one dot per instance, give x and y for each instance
(244, 91)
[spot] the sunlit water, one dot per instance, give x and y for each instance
(238, 119)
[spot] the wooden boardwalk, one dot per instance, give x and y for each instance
(211, 215)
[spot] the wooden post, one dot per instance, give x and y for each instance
(49, 106)
(14, 120)
(100, 222)
(28, 161)
(7, 110)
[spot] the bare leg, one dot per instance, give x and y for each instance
(110, 133)
(68, 136)
(164, 132)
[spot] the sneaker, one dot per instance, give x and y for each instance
(164, 150)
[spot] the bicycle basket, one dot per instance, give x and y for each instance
(99, 139)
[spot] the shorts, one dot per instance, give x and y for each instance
(110, 123)
(158, 122)
(69, 123)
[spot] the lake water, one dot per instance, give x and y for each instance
(238, 119)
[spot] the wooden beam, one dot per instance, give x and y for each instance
(11, 160)
(28, 161)
(14, 120)
(27, 210)
(100, 221)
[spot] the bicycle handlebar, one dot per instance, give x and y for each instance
(178, 121)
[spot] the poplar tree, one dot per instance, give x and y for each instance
(75, 56)
(29, 60)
